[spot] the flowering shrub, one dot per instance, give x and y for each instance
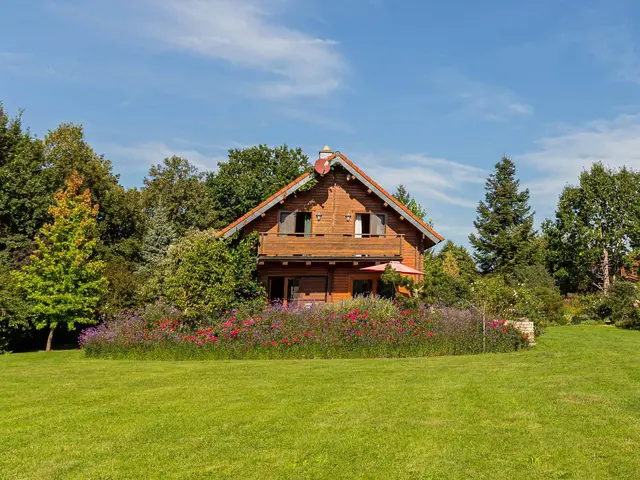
(329, 331)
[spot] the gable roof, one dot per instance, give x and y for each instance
(336, 158)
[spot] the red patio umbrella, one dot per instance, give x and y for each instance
(397, 266)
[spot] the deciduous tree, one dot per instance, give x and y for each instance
(595, 228)
(250, 176)
(25, 192)
(179, 187)
(64, 282)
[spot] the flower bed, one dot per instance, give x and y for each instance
(330, 331)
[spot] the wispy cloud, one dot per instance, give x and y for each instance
(560, 158)
(429, 179)
(481, 100)
(247, 34)
(327, 122)
(139, 156)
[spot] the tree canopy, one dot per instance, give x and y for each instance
(250, 176)
(595, 228)
(179, 187)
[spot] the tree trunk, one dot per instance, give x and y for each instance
(606, 283)
(50, 339)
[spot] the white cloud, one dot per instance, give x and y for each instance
(428, 179)
(481, 100)
(151, 153)
(246, 33)
(327, 122)
(562, 157)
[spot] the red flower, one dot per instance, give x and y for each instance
(430, 334)
(296, 340)
(234, 332)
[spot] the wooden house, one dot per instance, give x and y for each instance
(315, 238)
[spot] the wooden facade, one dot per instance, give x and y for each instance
(314, 243)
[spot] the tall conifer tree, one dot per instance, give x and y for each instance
(504, 223)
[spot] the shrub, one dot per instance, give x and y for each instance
(363, 327)
(206, 277)
(13, 310)
(538, 296)
(624, 305)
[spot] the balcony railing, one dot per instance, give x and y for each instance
(330, 245)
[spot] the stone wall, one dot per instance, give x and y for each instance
(525, 326)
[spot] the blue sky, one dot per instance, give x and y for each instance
(426, 93)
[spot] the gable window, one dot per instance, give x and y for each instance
(298, 223)
(370, 225)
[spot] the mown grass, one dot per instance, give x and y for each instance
(569, 408)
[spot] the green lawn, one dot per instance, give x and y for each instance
(569, 408)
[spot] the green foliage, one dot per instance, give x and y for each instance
(624, 302)
(250, 176)
(125, 283)
(494, 297)
(448, 276)
(63, 282)
(24, 188)
(206, 277)
(528, 295)
(403, 195)
(13, 309)
(505, 235)
(159, 236)
(533, 276)
(595, 228)
(119, 216)
(179, 187)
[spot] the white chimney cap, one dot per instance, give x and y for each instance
(326, 152)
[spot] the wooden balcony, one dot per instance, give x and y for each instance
(330, 246)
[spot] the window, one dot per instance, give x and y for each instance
(295, 289)
(295, 222)
(362, 288)
(370, 224)
(303, 223)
